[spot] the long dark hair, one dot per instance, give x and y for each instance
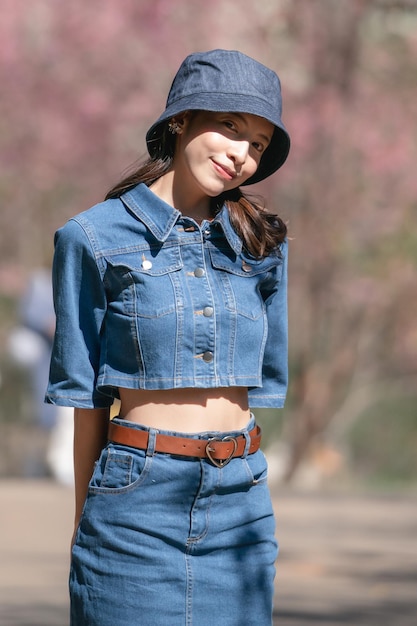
(261, 231)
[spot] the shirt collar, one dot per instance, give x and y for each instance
(160, 218)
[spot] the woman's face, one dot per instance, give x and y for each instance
(216, 152)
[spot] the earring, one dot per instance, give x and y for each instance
(174, 128)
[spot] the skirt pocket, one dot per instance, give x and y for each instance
(119, 469)
(258, 467)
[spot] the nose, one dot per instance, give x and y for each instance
(238, 151)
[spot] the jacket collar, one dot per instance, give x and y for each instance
(160, 218)
(232, 237)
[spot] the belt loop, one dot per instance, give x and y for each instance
(150, 450)
(247, 444)
(250, 426)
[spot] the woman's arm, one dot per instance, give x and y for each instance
(90, 436)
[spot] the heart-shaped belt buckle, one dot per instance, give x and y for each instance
(210, 450)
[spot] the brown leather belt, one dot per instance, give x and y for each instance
(219, 450)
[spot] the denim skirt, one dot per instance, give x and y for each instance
(174, 541)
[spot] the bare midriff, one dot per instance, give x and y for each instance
(187, 410)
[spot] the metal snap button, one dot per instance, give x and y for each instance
(199, 272)
(208, 356)
(208, 311)
(246, 267)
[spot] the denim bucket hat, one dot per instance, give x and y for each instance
(227, 81)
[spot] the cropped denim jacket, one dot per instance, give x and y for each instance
(146, 298)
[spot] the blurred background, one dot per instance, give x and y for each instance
(80, 84)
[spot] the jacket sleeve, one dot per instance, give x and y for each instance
(273, 392)
(80, 306)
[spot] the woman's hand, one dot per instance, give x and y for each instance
(90, 436)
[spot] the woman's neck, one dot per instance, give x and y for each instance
(179, 197)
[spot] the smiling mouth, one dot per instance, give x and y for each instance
(224, 171)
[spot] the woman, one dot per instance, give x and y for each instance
(171, 296)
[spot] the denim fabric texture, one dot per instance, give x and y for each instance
(174, 541)
(148, 299)
(228, 81)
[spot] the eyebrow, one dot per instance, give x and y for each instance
(261, 135)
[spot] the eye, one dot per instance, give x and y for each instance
(259, 147)
(230, 125)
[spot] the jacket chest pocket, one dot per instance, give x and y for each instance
(146, 283)
(246, 282)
